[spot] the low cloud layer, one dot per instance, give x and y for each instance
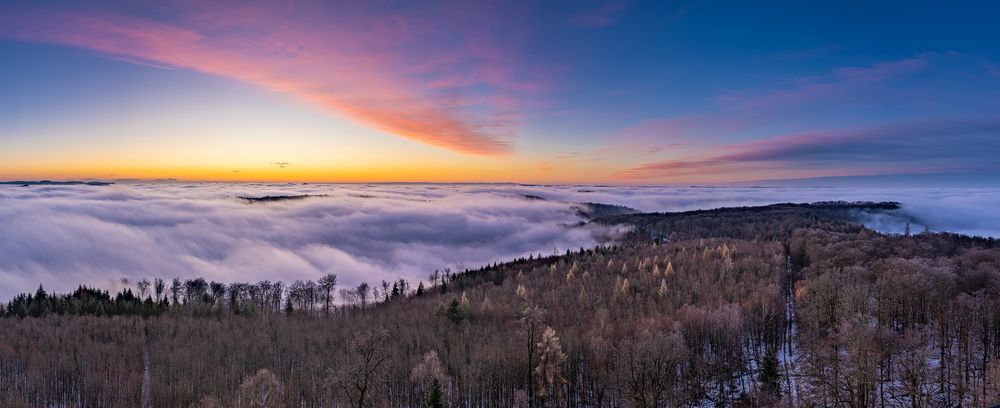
(962, 210)
(64, 236)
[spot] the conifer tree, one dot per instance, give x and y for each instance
(662, 291)
(434, 398)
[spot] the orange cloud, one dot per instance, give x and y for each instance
(400, 74)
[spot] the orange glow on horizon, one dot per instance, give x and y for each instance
(433, 173)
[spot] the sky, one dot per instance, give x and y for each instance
(597, 92)
(64, 236)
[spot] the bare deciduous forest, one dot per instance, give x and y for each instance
(783, 305)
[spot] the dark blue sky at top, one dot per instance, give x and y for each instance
(677, 57)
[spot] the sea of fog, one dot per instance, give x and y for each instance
(62, 236)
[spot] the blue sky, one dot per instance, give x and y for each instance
(631, 92)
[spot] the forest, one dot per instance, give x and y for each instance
(783, 305)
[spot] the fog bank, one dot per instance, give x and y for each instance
(62, 236)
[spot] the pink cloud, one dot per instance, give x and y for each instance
(697, 141)
(656, 136)
(905, 147)
(680, 130)
(402, 74)
(882, 70)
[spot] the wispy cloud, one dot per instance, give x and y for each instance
(743, 111)
(881, 71)
(682, 131)
(841, 81)
(916, 146)
(653, 137)
(731, 142)
(457, 88)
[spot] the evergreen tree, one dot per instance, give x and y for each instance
(434, 398)
(770, 377)
(40, 304)
(453, 312)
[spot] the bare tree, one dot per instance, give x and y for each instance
(362, 291)
(143, 286)
(357, 383)
(158, 287)
(647, 369)
(311, 295)
(195, 290)
(273, 298)
(218, 292)
(175, 291)
(327, 284)
(261, 390)
(301, 294)
(207, 401)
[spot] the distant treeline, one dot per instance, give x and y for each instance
(769, 222)
(198, 297)
(275, 198)
(55, 183)
(597, 210)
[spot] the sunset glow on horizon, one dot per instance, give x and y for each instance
(611, 92)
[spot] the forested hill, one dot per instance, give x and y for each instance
(775, 221)
(790, 305)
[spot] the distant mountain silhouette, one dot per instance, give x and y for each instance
(274, 198)
(55, 183)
